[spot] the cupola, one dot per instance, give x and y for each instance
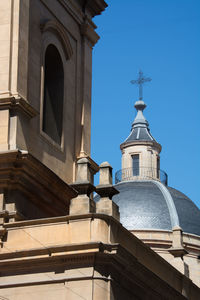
(140, 151)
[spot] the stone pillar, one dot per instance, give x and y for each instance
(178, 251)
(4, 130)
(89, 39)
(83, 203)
(106, 191)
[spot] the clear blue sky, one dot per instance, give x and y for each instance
(163, 39)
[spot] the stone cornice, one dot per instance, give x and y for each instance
(82, 12)
(145, 143)
(19, 104)
(119, 265)
(125, 259)
(54, 250)
(96, 7)
(122, 235)
(89, 33)
(190, 241)
(154, 242)
(19, 170)
(62, 219)
(93, 165)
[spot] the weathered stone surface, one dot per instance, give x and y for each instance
(64, 250)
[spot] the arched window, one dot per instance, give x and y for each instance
(53, 94)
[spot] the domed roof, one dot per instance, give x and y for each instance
(152, 205)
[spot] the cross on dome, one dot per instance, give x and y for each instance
(140, 127)
(140, 81)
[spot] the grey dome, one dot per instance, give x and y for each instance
(152, 205)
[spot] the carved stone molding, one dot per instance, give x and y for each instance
(59, 30)
(96, 7)
(18, 103)
(112, 262)
(145, 143)
(20, 171)
(89, 33)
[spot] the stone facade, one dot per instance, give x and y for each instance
(56, 242)
(161, 242)
(26, 29)
(88, 256)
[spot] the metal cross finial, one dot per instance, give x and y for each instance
(140, 81)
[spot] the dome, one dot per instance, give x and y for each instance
(145, 201)
(149, 204)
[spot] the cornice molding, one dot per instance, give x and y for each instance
(93, 165)
(96, 7)
(89, 33)
(18, 103)
(116, 262)
(20, 170)
(145, 143)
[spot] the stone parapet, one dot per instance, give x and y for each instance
(161, 242)
(82, 244)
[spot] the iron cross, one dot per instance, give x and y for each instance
(140, 81)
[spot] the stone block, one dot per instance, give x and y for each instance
(108, 207)
(105, 176)
(81, 205)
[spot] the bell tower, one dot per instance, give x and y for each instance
(45, 101)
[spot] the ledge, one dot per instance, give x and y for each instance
(139, 142)
(89, 33)
(18, 103)
(19, 171)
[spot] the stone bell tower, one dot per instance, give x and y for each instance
(45, 101)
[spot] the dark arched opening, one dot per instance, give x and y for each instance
(53, 94)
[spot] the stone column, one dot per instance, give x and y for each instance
(4, 130)
(106, 191)
(83, 203)
(89, 39)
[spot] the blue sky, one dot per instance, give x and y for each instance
(163, 39)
